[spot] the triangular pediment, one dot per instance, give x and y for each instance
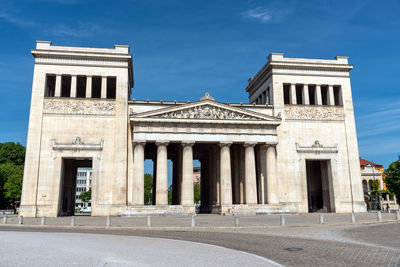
(206, 109)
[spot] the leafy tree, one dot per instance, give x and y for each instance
(86, 196)
(392, 179)
(10, 184)
(11, 152)
(196, 189)
(148, 189)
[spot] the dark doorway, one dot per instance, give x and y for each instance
(319, 186)
(68, 184)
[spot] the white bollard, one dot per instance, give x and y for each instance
(379, 216)
(397, 215)
(353, 218)
(108, 221)
(236, 221)
(73, 221)
(282, 220)
(148, 221)
(43, 221)
(20, 219)
(5, 219)
(321, 219)
(193, 221)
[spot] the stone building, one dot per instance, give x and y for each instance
(293, 148)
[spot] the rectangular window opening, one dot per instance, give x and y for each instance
(299, 94)
(286, 93)
(337, 95)
(50, 86)
(324, 95)
(96, 87)
(311, 94)
(81, 86)
(111, 87)
(65, 86)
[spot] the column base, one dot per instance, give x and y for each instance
(254, 209)
(177, 210)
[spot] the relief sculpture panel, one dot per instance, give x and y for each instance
(314, 113)
(78, 106)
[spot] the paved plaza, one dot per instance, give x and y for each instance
(301, 241)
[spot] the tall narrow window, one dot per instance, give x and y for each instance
(324, 94)
(311, 94)
(50, 86)
(81, 86)
(299, 94)
(337, 93)
(111, 87)
(96, 87)
(65, 86)
(286, 93)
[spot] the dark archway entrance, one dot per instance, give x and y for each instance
(68, 184)
(319, 186)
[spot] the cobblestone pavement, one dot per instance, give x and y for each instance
(301, 242)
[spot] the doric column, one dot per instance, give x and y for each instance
(250, 174)
(331, 97)
(272, 181)
(73, 86)
(187, 198)
(262, 181)
(306, 97)
(292, 94)
(225, 174)
(138, 172)
(162, 174)
(103, 87)
(58, 86)
(318, 97)
(88, 86)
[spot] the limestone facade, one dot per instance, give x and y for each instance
(293, 148)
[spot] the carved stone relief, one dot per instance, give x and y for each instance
(316, 148)
(206, 112)
(78, 144)
(78, 106)
(314, 113)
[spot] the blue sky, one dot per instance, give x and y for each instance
(183, 48)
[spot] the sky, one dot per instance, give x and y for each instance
(181, 49)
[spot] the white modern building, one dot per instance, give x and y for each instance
(83, 184)
(292, 148)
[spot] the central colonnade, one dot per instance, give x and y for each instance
(231, 173)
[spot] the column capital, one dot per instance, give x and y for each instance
(187, 143)
(138, 142)
(162, 143)
(250, 144)
(223, 144)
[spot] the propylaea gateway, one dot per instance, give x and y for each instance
(292, 148)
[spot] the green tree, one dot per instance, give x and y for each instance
(148, 189)
(392, 179)
(12, 156)
(10, 184)
(11, 152)
(86, 196)
(196, 191)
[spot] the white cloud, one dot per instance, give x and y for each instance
(260, 14)
(20, 22)
(267, 15)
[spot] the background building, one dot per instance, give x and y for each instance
(83, 183)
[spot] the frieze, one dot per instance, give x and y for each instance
(77, 144)
(313, 113)
(78, 106)
(206, 112)
(316, 148)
